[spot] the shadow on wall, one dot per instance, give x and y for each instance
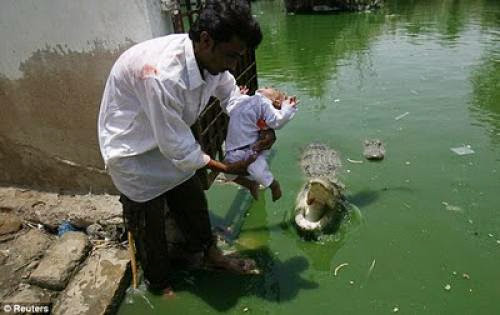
(48, 126)
(26, 166)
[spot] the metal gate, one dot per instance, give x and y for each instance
(211, 127)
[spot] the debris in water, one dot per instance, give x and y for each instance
(490, 235)
(246, 309)
(414, 92)
(466, 276)
(395, 309)
(371, 267)
(498, 241)
(336, 100)
(354, 161)
(336, 271)
(470, 221)
(402, 116)
(447, 287)
(407, 163)
(463, 150)
(454, 273)
(351, 282)
(451, 207)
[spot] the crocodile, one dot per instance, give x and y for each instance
(373, 149)
(319, 203)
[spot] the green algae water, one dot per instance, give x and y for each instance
(422, 76)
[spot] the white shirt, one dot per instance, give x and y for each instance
(243, 129)
(153, 94)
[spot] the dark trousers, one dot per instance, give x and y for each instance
(172, 230)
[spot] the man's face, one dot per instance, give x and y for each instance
(219, 57)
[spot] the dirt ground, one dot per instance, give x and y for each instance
(51, 209)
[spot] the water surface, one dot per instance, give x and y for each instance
(429, 216)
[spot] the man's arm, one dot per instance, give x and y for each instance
(228, 92)
(173, 136)
(238, 168)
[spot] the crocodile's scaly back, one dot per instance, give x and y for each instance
(318, 160)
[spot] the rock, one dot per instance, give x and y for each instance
(98, 287)
(51, 209)
(31, 294)
(19, 256)
(111, 232)
(59, 262)
(27, 247)
(9, 223)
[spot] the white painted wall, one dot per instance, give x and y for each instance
(55, 56)
(70, 25)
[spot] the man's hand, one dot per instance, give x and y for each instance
(266, 140)
(240, 167)
(237, 168)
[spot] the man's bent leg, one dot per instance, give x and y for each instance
(188, 206)
(146, 221)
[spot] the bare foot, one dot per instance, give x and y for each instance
(215, 260)
(275, 190)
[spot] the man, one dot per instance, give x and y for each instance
(156, 90)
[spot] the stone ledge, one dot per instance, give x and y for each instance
(98, 287)
(31, 294)
(60, 261)
(51, 209)
(20, 256)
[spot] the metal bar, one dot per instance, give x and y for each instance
(245, 71)
(211, 123)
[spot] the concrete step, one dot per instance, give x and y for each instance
(60, 261)
(98, 287)
(18, 257)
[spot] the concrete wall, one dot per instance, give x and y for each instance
(54, 60)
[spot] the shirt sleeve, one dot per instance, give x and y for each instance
(227, 92)
(277, 118)
(174, 137)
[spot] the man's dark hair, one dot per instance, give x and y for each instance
(223, 19)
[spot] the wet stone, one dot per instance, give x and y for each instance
(28, 247)
(59, 262)
(98, 287)
(31, 294)
(9, 223)
(18, 256)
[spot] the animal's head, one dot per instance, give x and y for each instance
(324, 192)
